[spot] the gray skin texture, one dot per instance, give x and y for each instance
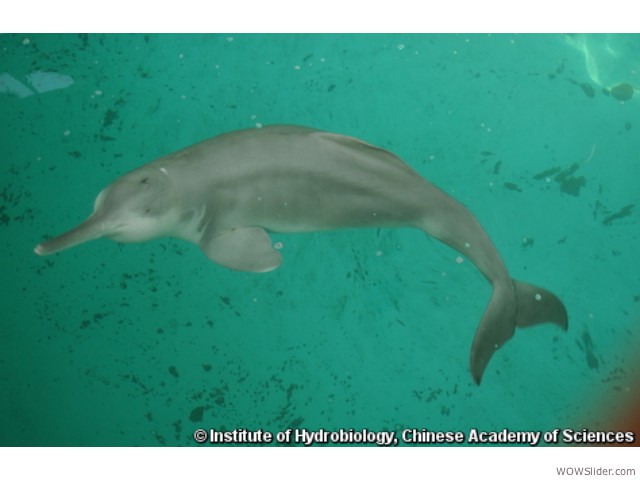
(226, 193)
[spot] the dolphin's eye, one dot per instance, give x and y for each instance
(144, 181)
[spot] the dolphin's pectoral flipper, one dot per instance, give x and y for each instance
(245, 248)
(519, 304)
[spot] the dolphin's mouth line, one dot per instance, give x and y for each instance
(110, 229)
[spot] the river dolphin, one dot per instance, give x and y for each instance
(225, 194)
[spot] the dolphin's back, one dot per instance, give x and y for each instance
(294, 179)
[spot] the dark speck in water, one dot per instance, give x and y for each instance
(196, 414)
(588, 90)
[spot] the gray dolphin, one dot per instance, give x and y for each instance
(226, 193)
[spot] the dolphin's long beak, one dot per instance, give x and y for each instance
(90, 229)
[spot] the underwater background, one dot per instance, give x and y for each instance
(142, 344)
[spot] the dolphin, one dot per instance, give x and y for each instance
(226, 193)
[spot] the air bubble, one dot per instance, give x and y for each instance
(278, 245)
(538, 297)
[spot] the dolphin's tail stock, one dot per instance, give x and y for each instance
(517, 304)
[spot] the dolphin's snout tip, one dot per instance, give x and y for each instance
(41, 250)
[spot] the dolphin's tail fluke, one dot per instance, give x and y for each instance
(537, 305)
(516, 304)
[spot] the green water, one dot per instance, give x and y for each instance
(141, 344)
